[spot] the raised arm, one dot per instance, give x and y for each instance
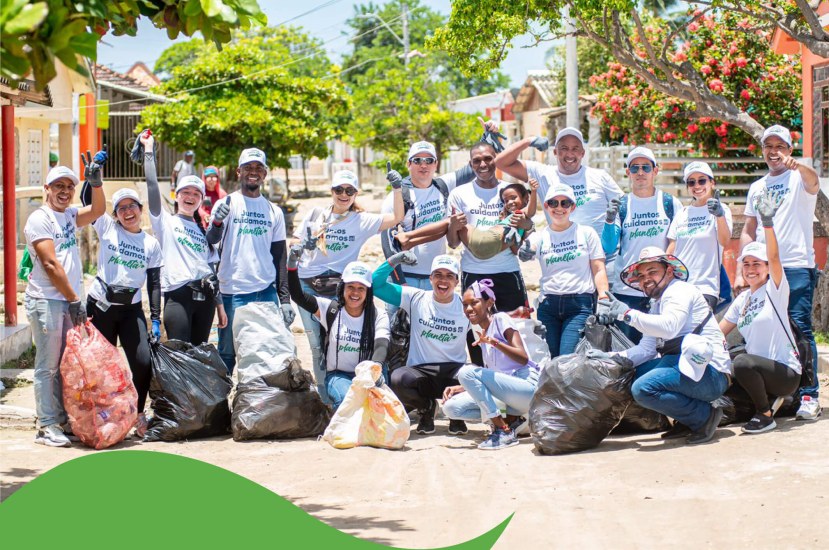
(766, 209)
(396, 181)
(306, 301)
(509, 160)
(93, 174)
(391, 293)
(150, 173)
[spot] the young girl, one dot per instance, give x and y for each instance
(508, 374)
(485, 244)
(127, 259)
(191, 295)
(357, 331)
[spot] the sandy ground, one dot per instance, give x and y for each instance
(764, 491)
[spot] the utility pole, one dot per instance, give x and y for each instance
(405, 9)
(571, 66)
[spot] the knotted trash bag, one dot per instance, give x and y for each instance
(578, 402)
(610, 338)
(533, 334)
(275, 398)
(370, 415)
(189, 392)
(98, 393)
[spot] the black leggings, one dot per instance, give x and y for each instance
(761, 376)
(186, 319)
(417, 386)
(510, 294)
(127, 324)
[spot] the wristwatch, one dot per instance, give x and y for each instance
(627, 317)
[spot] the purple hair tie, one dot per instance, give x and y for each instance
(483, 288)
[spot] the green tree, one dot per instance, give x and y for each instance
(373, 41)
(35, 32)
(394, 107)
(249, 94)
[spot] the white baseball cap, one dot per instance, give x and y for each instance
(61, 172)
(357, 272)
(697, 166)
(641, 153)
(345, 177)
(190, 181)
(445, 261)
(422, 147)
(695, 357)
(125, 193)
(253, 155)
(569, 131)
(755, 249)
(777, 131)
(560, 190)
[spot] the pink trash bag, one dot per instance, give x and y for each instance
(98, 393)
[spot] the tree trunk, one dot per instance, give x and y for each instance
(820, 305)
(305, 177)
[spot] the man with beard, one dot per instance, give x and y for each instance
(478, 207)
(794, 188)
(682, 362)
(250, 231)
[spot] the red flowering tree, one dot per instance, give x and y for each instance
(737, 64)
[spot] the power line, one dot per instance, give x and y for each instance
(312, 10)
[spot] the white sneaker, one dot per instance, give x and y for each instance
(809, 408)
(52, 436)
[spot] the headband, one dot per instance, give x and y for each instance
(483, 288)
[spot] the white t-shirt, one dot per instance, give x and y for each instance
(184, 169)
(482, 208)
(756, 320)
(186, 253)
(45, 223)
(646, 224)
(123, 257)
(565, 259)
(496, 359)
(593, 188)
(429, 207)
(344, 347)
(343, 241)
(677, 313)
(793, 221)
(249, 229)
(695, 231)
(438, 333)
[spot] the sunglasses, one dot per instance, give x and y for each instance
(339, 190)
(694, 183)
(646, 168)
(422, 160)
(565, 203)
(126, 208)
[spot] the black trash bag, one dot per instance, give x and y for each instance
(399, 343)
(736, 404)
(280, 405)
(610, 338)
(577, 403)
(189, 392)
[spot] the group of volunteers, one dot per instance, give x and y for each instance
(641, 260)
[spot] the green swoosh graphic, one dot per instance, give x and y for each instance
(149, 500)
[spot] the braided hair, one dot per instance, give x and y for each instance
(369, 319)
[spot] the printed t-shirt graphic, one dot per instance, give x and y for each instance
(343, 241)
(59, 227)
(565, 257)
(695, 231)
(344, 352)
(438, 333)
(185, 249)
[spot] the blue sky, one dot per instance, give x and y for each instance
(326, 24)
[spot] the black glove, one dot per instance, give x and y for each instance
(92, 170)
(77, 312)
(210, 283)
(310, 243)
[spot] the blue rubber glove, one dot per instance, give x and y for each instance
(155, 332)
(102, 156)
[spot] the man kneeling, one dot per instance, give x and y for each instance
(682, 362)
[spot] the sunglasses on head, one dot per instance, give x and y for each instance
(565, 203)
(646, 168)
(340, 189)
(694, 183)
(422, 160)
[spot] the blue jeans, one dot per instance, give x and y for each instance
(564, 317)
(660, 386)
(484, 385)
(338, 382)
(802, 283)
(227, 348)
(50, 322)
(639, 303)
(414, 282)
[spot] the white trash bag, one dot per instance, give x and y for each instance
(264, 345)
(532, 334)
(369, 415)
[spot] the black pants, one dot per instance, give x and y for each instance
(510, 294)
(417, 386)
(186, 319)
(761, 376)
(127, 324)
